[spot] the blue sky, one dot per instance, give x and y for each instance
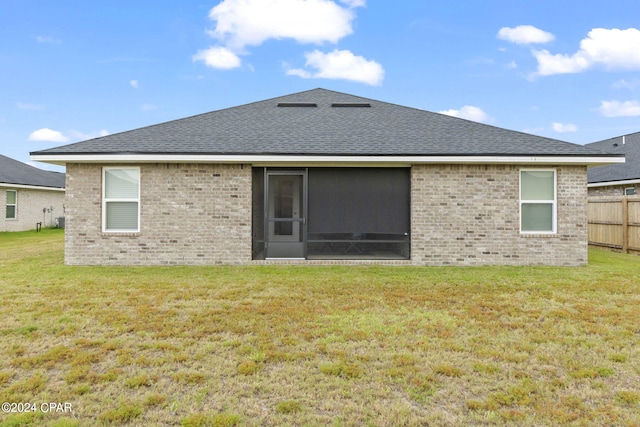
(72, 70)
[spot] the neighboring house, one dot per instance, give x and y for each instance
(325, 177)
(29, 196)
(617, 179)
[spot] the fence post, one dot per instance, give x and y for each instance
(625, 225)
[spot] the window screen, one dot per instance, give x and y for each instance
(359, 200)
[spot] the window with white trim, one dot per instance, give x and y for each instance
(121, 199)
(630, 191)
(538, 201)
(11, 211)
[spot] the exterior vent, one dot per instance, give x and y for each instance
(351, 105)
(297, 104)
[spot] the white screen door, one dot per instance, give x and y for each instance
(285, 215)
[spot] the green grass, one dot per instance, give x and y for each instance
(293, 345)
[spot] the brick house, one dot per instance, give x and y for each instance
(617, 179)
(29, 196)
(325, 177)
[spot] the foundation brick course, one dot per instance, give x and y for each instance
(200, 214)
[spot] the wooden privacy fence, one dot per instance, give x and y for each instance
(614, 222)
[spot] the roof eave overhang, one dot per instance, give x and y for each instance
(300, 160)
(30, 187)
(610, 183)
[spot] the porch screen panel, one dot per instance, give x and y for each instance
(359, 200)
(257, 212)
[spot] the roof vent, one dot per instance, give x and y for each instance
(350, 105)
(297, 104)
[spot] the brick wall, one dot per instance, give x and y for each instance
(31, 202)
(201, 214)
(189, 214)
(469, 215)
(612, 190)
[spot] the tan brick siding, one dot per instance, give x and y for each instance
(31, 202)
(189, 214)
(469, 215)
(201, 214)
(611, 190)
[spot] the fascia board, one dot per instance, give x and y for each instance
(30, 187)
(61, 159)
(611, 183)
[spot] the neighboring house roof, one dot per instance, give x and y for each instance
(17, 173)
(629, 145)
(318, 122)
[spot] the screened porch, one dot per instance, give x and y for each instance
(331, 213)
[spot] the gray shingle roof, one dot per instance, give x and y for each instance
(383, 129)
(15, 172)
(618, 172)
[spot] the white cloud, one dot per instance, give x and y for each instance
(354, 3)
(620, 109)
(49, 40)
(525, 34)
(46, 134)
(614, 49)
(134, 84)
(340, 64)
(218, 57)
(28, 106)
(148, 107)
(49, 135)
(624, 84)
(242, 23)
(564, 127)
(549, 64)
(75, 134)
(535, 131)
(297, 72)
(469, 112)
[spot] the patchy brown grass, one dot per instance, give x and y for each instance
(345, 346)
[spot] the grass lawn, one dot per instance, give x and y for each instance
(307, 346)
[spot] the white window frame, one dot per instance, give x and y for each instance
(629, 191)
(553, 203)
(106, 200)
(15, 205)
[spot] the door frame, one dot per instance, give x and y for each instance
(301, 252)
